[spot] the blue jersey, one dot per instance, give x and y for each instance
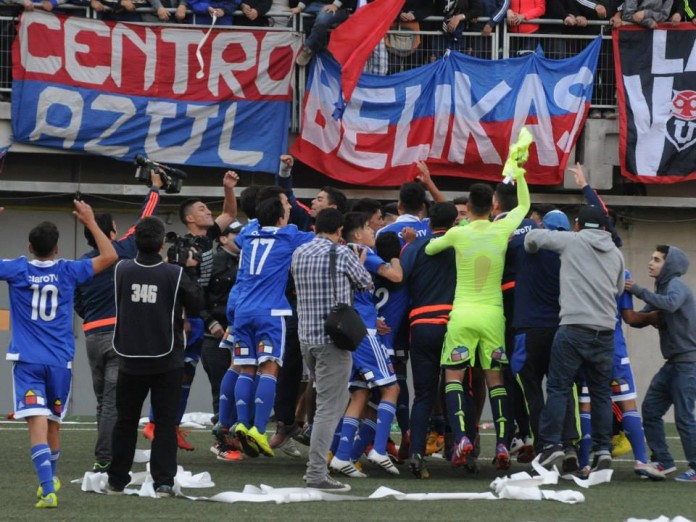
(623, 302)
(364, 302)
(391, 301)
(422, 227)
(41, 308)
(264, 268)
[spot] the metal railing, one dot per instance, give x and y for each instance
(433, 44)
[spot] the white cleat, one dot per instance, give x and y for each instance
(382, 461)
(346, 467)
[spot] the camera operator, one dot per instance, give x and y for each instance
(94, 303)
(217, 360)
(202, 230)
(151, 297)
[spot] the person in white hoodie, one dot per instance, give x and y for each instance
(591, 276)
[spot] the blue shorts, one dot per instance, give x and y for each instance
(41, 390)
(622, 386)
(192, 352)
(258, 338)
(371, 364)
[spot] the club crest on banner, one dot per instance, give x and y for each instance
(681, 127)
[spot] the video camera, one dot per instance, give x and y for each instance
(178, 253)
(171, 177)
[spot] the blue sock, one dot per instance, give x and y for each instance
(633, 428)
(41, 459)
(55, 455)
(244, 396)
(265, 395)
(402, 411)
(189, 372)
(348, 429)
(151, 415)
(336, 437)
(585, 439)
(366, 434)
(228, 410)
(454, 399)
(385, 416)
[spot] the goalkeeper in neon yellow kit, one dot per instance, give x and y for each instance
(476, 325)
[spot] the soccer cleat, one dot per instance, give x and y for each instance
(261, 441)
(418, 467)
(290, 448)
(223, 437)
(552, 455)
(664, 469)
(687, 476)
(164, 491)
(583, 473)
(100, 467)
(181, 441)
(601, 461)
(49, 501)
(460, 453)
(383, 461)
(283, 434)
(56, 487)
(648, 471)
(516, 445)
(330, 484)
(434, 443)
(523, 449)
(620, 445)
(570, 461)
(502, 457)
(248, 444)
(405, 447)
(392, 452)
(471, 465)
(305, 435)
(346, 467)
(149, 431)
(228, 455)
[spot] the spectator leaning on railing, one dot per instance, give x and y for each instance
(328, 15)
(682, 11)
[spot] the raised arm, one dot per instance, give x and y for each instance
(229, 206)
(107, 254)
(427, 181)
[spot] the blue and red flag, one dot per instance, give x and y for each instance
(458, 114)
(120, 89)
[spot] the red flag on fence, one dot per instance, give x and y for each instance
(352, 42)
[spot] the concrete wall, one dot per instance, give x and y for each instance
(644, 229)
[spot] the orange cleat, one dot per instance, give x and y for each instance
(149, 431)
(181, 440)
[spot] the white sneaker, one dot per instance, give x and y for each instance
(648, 471)
(289, 447)
(304, 57)
(383, 461)
(346, 467)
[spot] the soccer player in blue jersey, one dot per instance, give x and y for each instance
(372, 366)
(259, 316)
(412, 205)
(42, 345)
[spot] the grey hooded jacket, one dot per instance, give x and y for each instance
(676, 302)
(592, 274)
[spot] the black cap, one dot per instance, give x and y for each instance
(592, 217)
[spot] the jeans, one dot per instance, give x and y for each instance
(103, 363)
(573, 348)
(318, 28)
(674, 384)
(330, 367)
(425, 352)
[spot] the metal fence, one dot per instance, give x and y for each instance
(433, 44)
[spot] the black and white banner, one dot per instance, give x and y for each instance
(656, 83)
